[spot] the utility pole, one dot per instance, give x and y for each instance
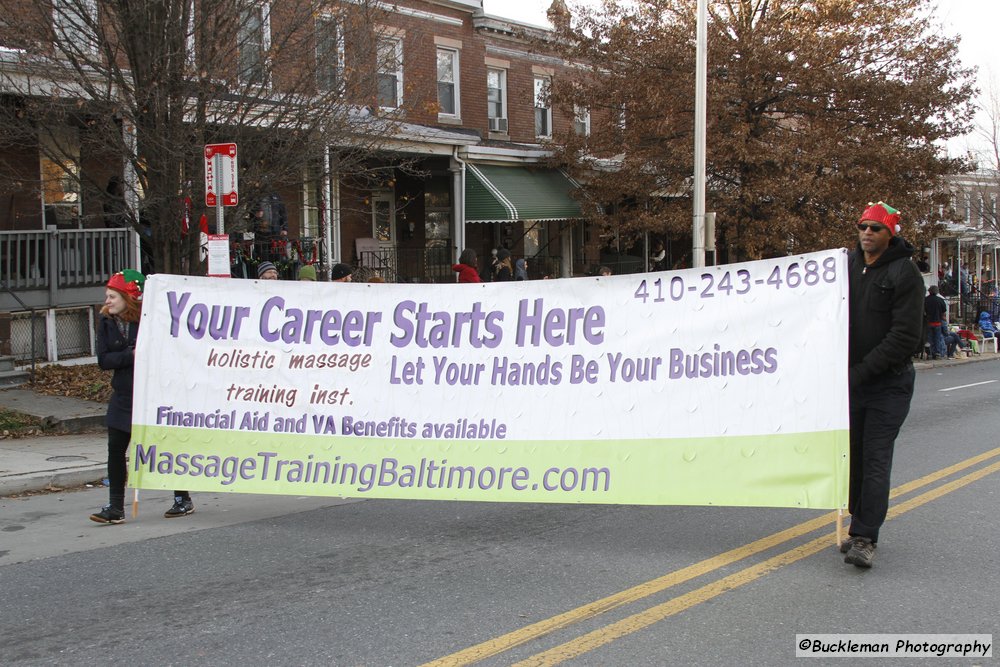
(700, 94)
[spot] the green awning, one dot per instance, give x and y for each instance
(505, 194)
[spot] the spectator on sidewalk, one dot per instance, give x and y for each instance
(952, 341)
(267, 271)
(307, 272)
(886, 314)
(116, 337)
(341, 273)
(658, 258)
(467, 267)
(270, 227)
(935, 310)
(521, 269)
(504, 267)
(986, 325)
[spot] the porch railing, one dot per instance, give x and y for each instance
(44, 267)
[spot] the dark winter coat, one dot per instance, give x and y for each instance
(886, 312)
(117, 353)
(935, 308)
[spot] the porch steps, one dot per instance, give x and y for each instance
(10, 375)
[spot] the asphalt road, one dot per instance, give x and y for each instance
(252, 580)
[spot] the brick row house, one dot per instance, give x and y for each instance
(464, 164)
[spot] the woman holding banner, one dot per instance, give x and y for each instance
(116, 337)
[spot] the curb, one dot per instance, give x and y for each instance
(55, 425)
(43, 480)
(958, 361)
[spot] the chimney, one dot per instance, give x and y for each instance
(558, 14)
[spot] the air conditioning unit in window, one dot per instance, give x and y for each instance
(498, 124)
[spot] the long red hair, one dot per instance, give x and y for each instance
(133, 308)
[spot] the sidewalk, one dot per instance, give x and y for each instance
(80, 455)
(76, 453)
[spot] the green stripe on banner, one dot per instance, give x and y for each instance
(807, 470)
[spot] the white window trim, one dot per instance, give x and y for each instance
(265, 39)
(66, 10)
(338, 22)
(548, 109)
(456, 61)
(503, 99)
(581, 116)
(397, 43)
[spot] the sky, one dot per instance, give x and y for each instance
(975, 20)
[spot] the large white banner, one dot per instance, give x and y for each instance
(725, 385)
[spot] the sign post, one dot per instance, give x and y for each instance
(221, 180)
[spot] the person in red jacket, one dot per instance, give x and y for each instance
(467, 267)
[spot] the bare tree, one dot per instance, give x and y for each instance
(815, 108)
(982, 187)
(145, 85)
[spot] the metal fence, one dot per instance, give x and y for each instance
(970, 308)
(407, 265)
(21, 337)
(59, 334)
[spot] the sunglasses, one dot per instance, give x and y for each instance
(875, 227)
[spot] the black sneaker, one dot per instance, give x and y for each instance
(108, 514)
(182, 507)
(845, 546)
(861, 553)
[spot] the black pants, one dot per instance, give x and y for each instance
(878, 410)
(117, 468)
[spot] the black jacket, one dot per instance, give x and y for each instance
(886, 312)
(935, 308)
(116, 352)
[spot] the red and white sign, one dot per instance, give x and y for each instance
(221, 179)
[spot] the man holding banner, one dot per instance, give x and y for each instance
(886, 316)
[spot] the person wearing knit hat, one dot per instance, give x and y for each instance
(116, 338)
(341, 273)
(882, 214)
(504, 268)
(307, 272)
(267, 271)
(886, 306)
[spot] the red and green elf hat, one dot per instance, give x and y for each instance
(128, 282)
(884, 214)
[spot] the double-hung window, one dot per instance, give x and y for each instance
(74, 22)
(581, 120)
(329, 54)
(496, 99)
(543, 112)
(389, 53)
(447, 82)
(254, 42)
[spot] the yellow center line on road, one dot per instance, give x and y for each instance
(528, 633)
(627, 626)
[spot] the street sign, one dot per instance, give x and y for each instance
(221, 179)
